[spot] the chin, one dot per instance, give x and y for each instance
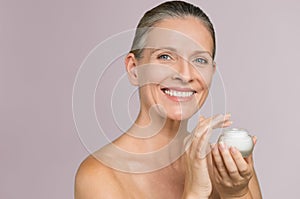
(181, 115)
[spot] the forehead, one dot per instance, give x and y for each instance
(184, 34)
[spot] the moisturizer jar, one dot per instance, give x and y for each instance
(238, 138)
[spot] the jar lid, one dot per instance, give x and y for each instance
(236, 132)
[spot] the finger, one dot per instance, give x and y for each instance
(214, 119)
(187, 142)
(209, 160)
(201, 126)
(230, 164)
(196, 141)
(193, 146)
(249, 159)
(201, 118)
(219, 120)
(218, 162)
(254, 138)
(212, 122)
(216, 173)
(200, 129)
(203, 144)
(242, 166)
(227, 124)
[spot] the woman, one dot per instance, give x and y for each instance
(171, 61)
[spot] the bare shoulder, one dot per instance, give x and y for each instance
(95, 180)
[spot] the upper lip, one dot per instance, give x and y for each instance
(181, 89)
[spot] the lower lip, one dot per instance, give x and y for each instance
(179, 99)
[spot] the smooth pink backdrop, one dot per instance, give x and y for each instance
(43, 43)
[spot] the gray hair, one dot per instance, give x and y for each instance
(169, 9)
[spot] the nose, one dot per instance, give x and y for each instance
(185, 71)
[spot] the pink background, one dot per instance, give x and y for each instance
(43, 43)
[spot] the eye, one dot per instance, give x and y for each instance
(165, 57)
(201, 60)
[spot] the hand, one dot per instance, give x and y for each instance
(231, 172)
(197, 180)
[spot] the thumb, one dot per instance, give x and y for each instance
(254, 138)
(249, 159)
(201, 118)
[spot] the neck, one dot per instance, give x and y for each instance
(152, 142)
(151, 131)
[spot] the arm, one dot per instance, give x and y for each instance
(254, 187)
(234, 176)
(197, 180)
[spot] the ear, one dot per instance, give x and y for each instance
(131, 68)
(214, 67)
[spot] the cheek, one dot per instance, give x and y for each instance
(153, 73)
(205, 77)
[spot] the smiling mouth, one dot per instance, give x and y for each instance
(182, 93)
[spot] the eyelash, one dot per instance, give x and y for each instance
(166, 57)
(203, 60)
(163, 56)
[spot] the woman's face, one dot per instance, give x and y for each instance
(176, 68)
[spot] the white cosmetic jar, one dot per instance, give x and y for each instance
(238, 138)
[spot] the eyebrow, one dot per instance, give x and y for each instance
(175, 50)
(153, 50)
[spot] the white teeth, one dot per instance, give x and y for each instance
(178, 93)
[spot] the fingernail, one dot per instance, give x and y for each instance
(212, 145)
(215, 148)
(222, 145)
(233, 149)
(228, 115)
(254, 139)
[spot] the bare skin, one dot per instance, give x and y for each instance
(105, 182)
(201, 171)
(96, 180)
